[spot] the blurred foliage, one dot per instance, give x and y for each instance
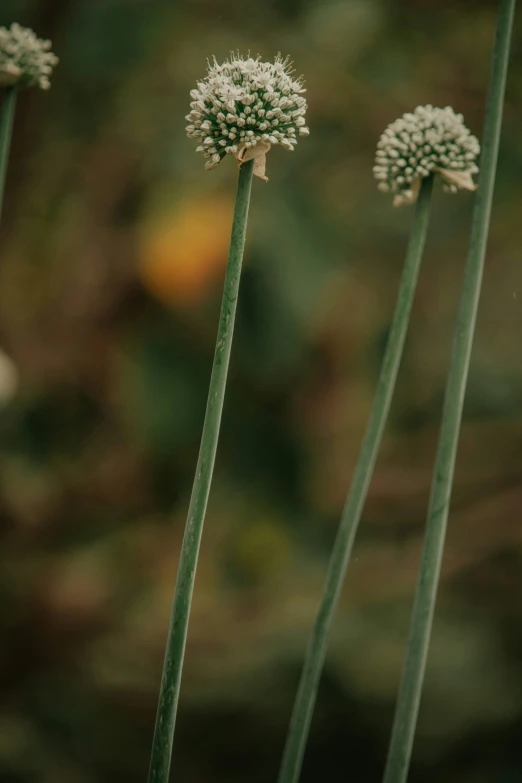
(112, 253)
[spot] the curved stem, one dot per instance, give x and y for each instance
(317, 647)
(7, 112)
(422, 617)
(177, 635)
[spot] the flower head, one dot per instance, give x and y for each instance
(427, 141)
(245, 106)
(25, 59)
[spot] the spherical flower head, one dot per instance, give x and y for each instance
(425, 142)
(244, 107)
(25, 59)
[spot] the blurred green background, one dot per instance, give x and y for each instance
(113, 246)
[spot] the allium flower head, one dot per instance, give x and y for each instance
(245, 106)
(25, 59)
(427, 141)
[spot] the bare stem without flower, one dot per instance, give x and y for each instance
(177, 635)
(318, 644)
(422, 618)
(7, 112)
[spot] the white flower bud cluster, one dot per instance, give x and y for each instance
(243, 102)
(25, 59)
(429, 140)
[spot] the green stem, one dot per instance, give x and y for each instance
(177, 636)
(317, 646)
(422, 617)
(7, 112)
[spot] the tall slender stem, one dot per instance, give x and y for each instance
(7, 112)
(422, 617)
(177, 635)
(317, 647)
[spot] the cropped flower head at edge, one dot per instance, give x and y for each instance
(244, 107)
(25, 59)
(428, 141)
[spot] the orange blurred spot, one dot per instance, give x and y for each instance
(183, 253)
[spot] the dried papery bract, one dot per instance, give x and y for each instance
(421, 143)
(9, 74)
(244, 107)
